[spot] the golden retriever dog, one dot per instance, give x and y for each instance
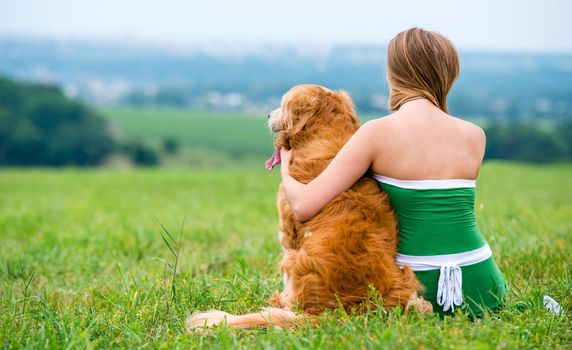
(337, 258)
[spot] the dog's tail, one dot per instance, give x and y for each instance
(271, 316)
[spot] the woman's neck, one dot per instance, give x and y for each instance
(417, 104)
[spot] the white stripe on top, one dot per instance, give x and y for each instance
(426, 184)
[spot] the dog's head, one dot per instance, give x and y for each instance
(304, 112)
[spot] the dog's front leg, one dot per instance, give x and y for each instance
(288, 235)
(287, 239)
(284, 299)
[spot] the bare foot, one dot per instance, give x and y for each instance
(205, 320)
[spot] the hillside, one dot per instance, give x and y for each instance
(492, 85)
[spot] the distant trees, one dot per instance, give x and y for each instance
(140, 153)
(40, 126)
(564, 132)
(529, 142)
(171, 145)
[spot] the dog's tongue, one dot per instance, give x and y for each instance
(274, 160)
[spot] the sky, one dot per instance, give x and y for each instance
(506, 25)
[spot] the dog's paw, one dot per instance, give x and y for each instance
(424, 306)
(419, 304)
(201, 322)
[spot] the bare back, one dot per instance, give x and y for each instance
(421, 142)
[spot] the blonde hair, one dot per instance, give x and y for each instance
(421, 63)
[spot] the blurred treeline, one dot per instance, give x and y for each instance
(40, 126)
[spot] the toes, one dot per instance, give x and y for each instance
(201, 321)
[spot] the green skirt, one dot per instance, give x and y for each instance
(484, 287)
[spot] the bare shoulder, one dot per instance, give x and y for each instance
(379, 126)
(380, 133)
(471, 130)
(473, 133)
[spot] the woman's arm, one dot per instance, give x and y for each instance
(351, 162)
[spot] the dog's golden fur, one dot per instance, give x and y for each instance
(335, 258)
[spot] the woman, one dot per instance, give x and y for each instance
(427, 161)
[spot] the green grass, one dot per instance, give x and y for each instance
(231, 133)
(83, 263)
(208, 138)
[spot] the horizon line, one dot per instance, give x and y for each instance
(310, 44)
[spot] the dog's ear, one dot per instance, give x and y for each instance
(325, 107)
(314, 107)
(346, 105)
(301, 118)
(293, 128)
(299, 112)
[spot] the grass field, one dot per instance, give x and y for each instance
(208, 138)
(83, 263)
(231, 133)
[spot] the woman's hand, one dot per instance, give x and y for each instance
(285, 156)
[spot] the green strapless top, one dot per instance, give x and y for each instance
(435, 221)
(441, 241)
